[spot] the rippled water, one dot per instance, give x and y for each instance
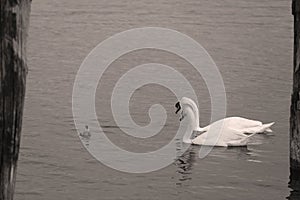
(250, 41)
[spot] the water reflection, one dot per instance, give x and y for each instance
(243, 151)
(239, 153)
(85, 139)
(184, 165)
(186, 161)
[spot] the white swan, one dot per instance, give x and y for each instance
(234, 131)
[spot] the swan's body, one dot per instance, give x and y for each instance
(231, 131)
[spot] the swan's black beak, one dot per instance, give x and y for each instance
(177, 105)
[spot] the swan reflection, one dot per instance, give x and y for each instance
(185, 163)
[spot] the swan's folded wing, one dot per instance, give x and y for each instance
(238, 138)
(241, 123)
(259, 129)
(235, 134)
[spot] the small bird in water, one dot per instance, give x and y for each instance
(86, 132)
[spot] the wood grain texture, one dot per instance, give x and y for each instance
(14, 22)
(295, 103)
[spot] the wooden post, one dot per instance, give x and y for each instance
(14, 21)
(295, 104)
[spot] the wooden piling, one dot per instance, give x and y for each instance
(295, 104)
(14, 22)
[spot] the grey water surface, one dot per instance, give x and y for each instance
(251, 43)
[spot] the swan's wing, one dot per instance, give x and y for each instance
(241, 123)
(237, 123)
(236, 134)
(227, 137)
(258, 129)
(227, 132)
(238, 138)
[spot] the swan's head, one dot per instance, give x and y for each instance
(183, 104)
(184, 101)
(178, 108)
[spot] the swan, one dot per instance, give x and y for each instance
(234, 131)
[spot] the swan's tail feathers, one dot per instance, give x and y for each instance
(268, 130)
(267, 127)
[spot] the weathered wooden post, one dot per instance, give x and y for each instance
(295, 105)
(14, 21)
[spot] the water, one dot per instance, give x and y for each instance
(250, 41)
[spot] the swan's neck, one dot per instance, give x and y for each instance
(192, 123)
(195, 110)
